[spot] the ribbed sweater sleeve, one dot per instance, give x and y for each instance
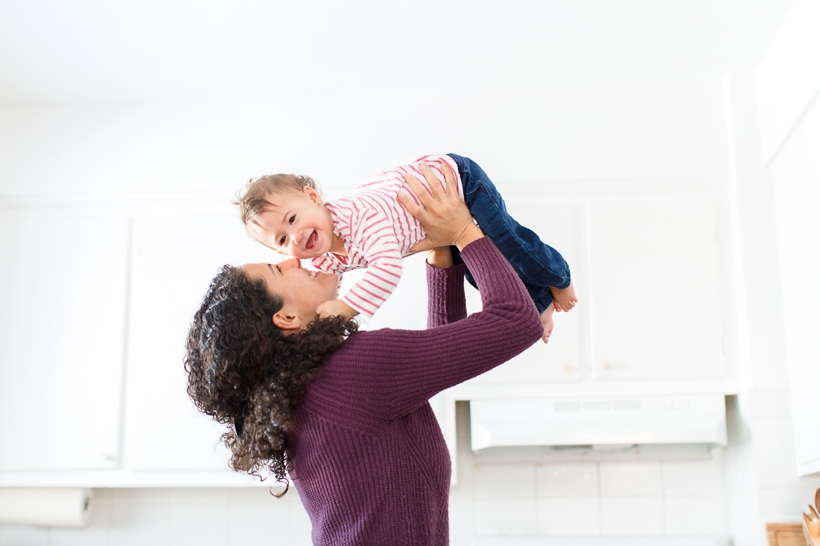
(406, 368)
(445, 295)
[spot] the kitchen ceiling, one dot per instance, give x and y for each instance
(93, 51)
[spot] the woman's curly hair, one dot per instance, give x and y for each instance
(245, 373)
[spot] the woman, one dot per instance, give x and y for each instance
(346, 413)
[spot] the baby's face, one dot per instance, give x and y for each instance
(297, 225)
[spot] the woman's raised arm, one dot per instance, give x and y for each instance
(417, 364)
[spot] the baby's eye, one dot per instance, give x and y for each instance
(291, 219)
(282, 240)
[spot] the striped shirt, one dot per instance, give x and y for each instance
(378, 232)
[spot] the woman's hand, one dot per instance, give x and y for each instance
(444, 216)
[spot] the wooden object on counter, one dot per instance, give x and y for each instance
(785, 534)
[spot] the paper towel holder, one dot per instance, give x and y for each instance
(46, 506)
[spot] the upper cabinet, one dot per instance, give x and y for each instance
(63, 286)
(175, 258)
(651, 272)
(796, 184)
(788, 84)
(658, 307)
(562, 359)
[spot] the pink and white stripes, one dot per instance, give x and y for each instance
(378, 232)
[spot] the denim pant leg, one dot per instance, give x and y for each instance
(537, 264)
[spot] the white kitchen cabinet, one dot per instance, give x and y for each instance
(796, 182)
(557, 361)
(561, 359)
(650, 272)
(658, 296)
(175, 258)
(63, 285)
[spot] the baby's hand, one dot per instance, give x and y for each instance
(334, 308)
(564, 299)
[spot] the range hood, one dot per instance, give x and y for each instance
(600, 422)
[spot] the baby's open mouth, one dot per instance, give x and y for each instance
(311, 242)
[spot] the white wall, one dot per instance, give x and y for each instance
(665, 130)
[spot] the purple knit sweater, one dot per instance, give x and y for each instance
(369, 459)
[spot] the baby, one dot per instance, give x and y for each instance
(372, 230)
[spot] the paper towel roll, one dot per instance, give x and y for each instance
(44, 506)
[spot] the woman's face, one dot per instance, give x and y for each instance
(301, 290)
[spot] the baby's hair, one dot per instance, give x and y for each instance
(256, 197)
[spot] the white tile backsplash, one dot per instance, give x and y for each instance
(203, 524)
(247, 508)
(506, 517)
(785, 504)
(504, 481)
(695, 477)
(744, 519)
(630, 479)
(696, 515)
(569, 516)
(135, 524)
(96, 534)
(632, 516)
(770, 403)
(498, 499)
(567, 480)
(462, 521)
(299, 523)
(23, 536)
(775, 455)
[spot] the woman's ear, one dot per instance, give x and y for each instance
(313, 194)
(287, 322)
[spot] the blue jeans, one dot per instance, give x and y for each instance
(537, 264)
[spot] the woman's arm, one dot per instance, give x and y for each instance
(404, 368)
(415, 365)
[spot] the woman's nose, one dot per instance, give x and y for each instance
(293, 263)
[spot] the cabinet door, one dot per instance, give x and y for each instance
(63, 284)
(796, 178)
(658, 307)
(560, 359)
(175, 260)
